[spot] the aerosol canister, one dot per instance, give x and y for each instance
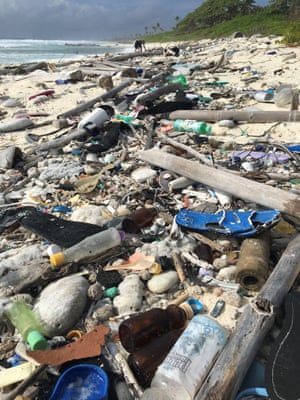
(95, 119)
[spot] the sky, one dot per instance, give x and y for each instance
(89, 19)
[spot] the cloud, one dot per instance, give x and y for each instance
(89, 19)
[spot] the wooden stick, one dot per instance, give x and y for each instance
(227, 182)
(56, 143)
(237, 115)
(178, 267)
(155, 94)
(227, 374)
(188, 149)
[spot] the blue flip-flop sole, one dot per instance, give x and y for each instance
(236, 223)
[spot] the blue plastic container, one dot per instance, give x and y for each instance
(81, 382)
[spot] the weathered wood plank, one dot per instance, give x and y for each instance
(238, 186)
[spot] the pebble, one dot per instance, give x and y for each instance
(227, 273)
(131, 291)
(57, 302)
(163, 282)
(220, 262)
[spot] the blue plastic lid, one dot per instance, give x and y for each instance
(196, 305)
(81, 382)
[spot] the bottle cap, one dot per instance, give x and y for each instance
(188, 310)
(196, 305)
(57, 260)
(53, 249)
(36, 341)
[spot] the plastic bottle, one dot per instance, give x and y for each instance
(140, 329)
(88, 248)
(95, 118)
(23, 318)
(187, 364)
(179, 79)
(145, 361)
(188, 125)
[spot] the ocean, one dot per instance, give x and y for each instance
(28, 50)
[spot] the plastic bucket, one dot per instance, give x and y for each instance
(81, 382)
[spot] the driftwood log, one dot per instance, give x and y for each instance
(85, 106)
(127, 56)
(243, 188)
(237, 115)
(227, 374)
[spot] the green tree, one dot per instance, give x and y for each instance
(280, 6)
(294, 10)
(158, 27)
(247, 6)
(216, 11)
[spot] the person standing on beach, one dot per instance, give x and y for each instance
(139, 45)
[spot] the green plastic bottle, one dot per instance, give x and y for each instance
(188, 125)
(179, 79)
(24, 320)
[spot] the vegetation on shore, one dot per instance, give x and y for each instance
(219, 18)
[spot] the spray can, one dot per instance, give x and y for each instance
(95, 118)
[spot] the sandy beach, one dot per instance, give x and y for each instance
(269, 64)
(231, 74)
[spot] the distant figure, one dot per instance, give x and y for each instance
(139, 45)
(172, 51)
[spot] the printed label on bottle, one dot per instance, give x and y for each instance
(193, 355)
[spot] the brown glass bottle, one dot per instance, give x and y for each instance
(145, 361)
(139, 218)
(140, 329)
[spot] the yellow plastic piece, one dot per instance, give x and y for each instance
(16, 374)
(57, 260)
(155, 268)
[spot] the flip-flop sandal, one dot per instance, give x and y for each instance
(82, 381)
(236, 223)
(294, 148)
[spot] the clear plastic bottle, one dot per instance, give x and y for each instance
(142, 328)
(192, 126)
(186, 366)
(23, 318)
(88, 248)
